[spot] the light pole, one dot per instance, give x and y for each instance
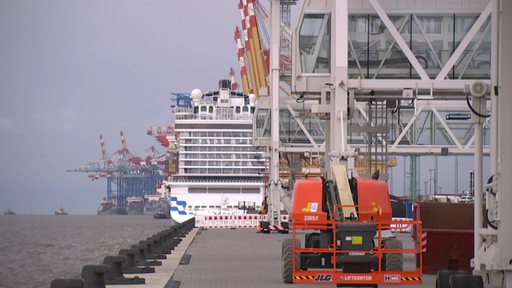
(430, 180)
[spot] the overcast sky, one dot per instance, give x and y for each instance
(71, 70)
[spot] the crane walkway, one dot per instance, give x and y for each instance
(227, 258)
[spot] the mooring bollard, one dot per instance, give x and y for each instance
(163, 243)
(176, 238)
(140, 257)
(148, 253)
(160, 243)
(155, 247)
(94, 276)
(130, 266)
(115, 273)
(67, 283)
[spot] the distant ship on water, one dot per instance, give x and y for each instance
(107, 207)
(134, 205)
(157, 205)
(60, 211)
(9, 211)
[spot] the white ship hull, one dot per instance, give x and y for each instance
(184, 205)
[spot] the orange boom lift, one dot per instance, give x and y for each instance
(347, 244)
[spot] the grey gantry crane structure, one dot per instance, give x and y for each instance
(401, 86)
(358, 64)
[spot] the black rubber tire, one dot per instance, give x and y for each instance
(466, 281)
(264, 227)
(443, 277)
(393, 261)
(287, 258)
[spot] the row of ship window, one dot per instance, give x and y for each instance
(219, 141)
(244, 171)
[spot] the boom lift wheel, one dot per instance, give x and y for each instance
(393, 261)
(287, 259)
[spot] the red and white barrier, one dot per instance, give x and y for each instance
(228, 221)
(235, 221)
(424, 242)
(405, 226)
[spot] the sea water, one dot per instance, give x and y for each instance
(35, 249)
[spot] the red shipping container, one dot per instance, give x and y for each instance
(447, 235)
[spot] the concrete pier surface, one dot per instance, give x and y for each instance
(239, 258)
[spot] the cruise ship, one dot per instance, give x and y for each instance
(219, 171)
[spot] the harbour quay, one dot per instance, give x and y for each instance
(225, 258)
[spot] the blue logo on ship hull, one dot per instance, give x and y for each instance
(177, 209)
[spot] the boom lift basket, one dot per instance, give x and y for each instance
(358, 252)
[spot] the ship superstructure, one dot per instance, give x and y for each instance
(219, 170)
